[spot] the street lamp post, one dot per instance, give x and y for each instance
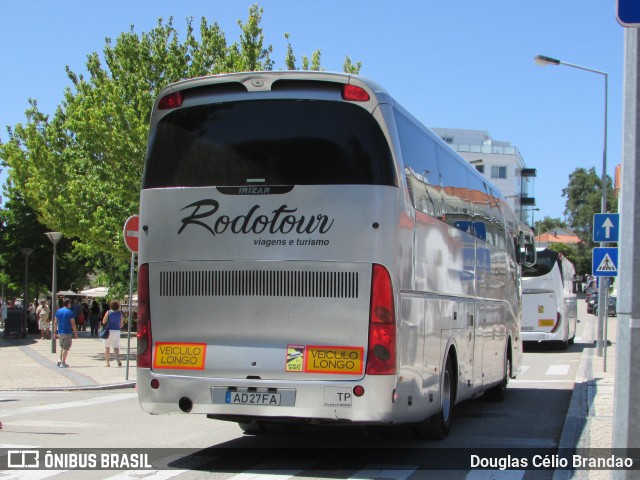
(54, 237)
(533, 213)
(25, 308)
(602, 291)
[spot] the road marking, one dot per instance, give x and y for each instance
(476, 441)
(13, 446)
(48, 424)
(25, 474)
(557, 370)
(147, 475)
(523, 369)
(30, 474)
(394, 472)
(264, 472)
(190, 463)
(568, 380)
(61, 406)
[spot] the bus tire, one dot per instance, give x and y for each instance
(438, 426)
(499, 392)
(253, 427)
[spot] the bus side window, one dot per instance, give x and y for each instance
(421, 168)
(455, 190)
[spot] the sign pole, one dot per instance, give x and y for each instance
(626, 409)
(131, 274)
(131, 234)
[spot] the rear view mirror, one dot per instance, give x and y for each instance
(526, 249)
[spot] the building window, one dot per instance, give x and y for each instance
(498, 172)
(448, 139)
(480, 168)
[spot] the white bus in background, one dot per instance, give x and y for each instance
(549, 301)
(312, 253)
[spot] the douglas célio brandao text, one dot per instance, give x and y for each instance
(574, 461)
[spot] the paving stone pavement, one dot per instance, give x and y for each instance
(29, 364)
(589, 422)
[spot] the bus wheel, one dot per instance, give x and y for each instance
(253, 427)
(437, 427)
(499, 392)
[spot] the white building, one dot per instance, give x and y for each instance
(500, 162)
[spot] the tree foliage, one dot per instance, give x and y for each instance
(20, 228)
(80, 169)
(584, 199)
(547, 224)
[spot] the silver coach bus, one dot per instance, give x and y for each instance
(310, 252)
(549, 300)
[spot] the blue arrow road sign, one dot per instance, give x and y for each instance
(628, 13)
(606, 227)
(605, 262)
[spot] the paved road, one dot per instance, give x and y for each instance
(532, 417)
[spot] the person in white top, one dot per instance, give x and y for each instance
(43, 314)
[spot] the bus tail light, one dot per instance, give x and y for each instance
(173, 100)
(381, 358)
(354, 93)
(144, 318)
(558, 322)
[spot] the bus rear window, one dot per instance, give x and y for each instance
(268, 142)
(545, 261)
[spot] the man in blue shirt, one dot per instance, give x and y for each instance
(64, 326)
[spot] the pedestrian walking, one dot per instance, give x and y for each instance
(115, 320)
(94, 318)
(43, 314)
(64, 327)
(77, 314)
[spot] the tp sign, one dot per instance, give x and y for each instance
(131, 232)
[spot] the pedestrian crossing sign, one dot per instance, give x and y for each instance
(605, 262)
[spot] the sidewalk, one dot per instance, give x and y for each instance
(28, 364)
(589, 422)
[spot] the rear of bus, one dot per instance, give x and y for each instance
(271, 226)
(548, 306)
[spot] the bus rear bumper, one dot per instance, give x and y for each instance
(310, 402)
(541, 337)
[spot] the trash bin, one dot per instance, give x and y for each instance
(14, 324)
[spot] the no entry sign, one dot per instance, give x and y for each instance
(131, 232)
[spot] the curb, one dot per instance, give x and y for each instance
(578, 412)
(110, 386)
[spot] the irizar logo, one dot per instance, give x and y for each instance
(282, 220)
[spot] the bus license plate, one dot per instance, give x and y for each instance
(253, 398)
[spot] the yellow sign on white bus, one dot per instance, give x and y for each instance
(321, 359)
(180, 356)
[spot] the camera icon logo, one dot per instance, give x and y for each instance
(23, 459)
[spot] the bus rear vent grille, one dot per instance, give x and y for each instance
(257, 283)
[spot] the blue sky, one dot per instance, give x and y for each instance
(452, 63)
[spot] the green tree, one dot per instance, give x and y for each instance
(80, 170)
(584, 198)
(576, 253)
(20, 228)
(547, 224)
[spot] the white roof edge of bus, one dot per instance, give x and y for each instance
(241, 77)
